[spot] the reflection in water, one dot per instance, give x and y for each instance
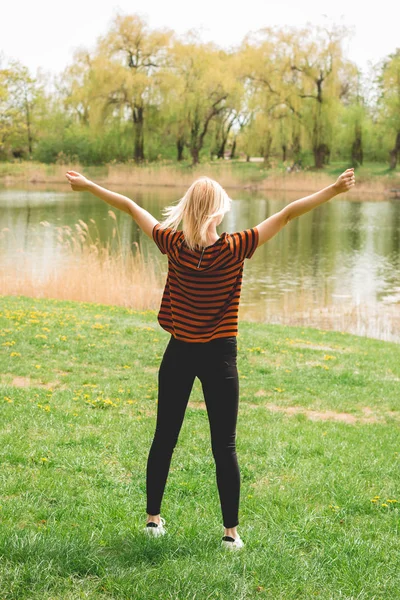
(336, 267)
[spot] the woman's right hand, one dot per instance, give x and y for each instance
(345, 181)
(78, 182)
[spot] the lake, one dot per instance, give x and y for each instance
(335, 267)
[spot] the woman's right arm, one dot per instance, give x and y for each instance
(271, 226)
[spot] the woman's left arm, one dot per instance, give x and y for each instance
(143, 218)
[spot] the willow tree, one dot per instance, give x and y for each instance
(88, 87)
(234, 116)
(141, 53)
(317, 62)
(20, 94)
(389, 102)
(204, 87)
(268, 90)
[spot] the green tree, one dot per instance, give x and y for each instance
(389, 102)
(141, 52)
(319, 68)
(19, 94)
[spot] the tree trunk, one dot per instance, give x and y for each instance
(138, 122)
(180, 145)
(267, 149)
(321, 155)
(225, 134)
(394, 154)
(356, 149)
(194, 151)
(296, 147)
(221, 149)
(233, 150)
(28, 126)
(284, 149)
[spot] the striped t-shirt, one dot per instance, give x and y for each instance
(202, 292)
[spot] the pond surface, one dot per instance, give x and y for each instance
(335, 267)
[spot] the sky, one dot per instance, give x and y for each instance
(43, 34)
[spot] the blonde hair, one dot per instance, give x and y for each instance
(204, 201)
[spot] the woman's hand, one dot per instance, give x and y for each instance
(78, 182)
(345, 181)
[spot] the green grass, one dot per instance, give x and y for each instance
(73, 461)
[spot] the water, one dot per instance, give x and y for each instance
(335, 267)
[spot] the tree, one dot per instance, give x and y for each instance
(141, 53)
(262, 75)
(204, 88)
(19, 92)
(317, 59)
(389, 101)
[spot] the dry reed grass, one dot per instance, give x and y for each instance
(170, 176)
(86, 271)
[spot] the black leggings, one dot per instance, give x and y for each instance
(215, 364)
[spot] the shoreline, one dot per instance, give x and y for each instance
(231, 176)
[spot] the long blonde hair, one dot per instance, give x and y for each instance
(204, 201)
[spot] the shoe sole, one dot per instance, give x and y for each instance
(231, 546)
(153, 532)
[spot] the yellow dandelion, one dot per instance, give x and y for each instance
(15, 354)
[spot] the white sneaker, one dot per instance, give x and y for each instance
(155, 529)
(232, 543)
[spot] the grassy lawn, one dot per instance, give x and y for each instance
(318, 447)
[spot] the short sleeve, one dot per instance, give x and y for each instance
(243, 244)
(165, 238)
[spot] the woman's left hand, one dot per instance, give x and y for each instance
(78, 182)
(345, 181)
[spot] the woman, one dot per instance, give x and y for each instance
(199, 308)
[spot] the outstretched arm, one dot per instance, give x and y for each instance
(268, 228)
(143, 218)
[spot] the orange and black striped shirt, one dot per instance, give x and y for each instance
(202, 292)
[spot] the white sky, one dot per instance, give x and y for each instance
(45, 32)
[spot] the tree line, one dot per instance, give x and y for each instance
(142, 94)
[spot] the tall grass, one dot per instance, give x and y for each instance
(86, 270)
(230, 175)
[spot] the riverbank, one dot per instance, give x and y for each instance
(373, 180)
(317, 442)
